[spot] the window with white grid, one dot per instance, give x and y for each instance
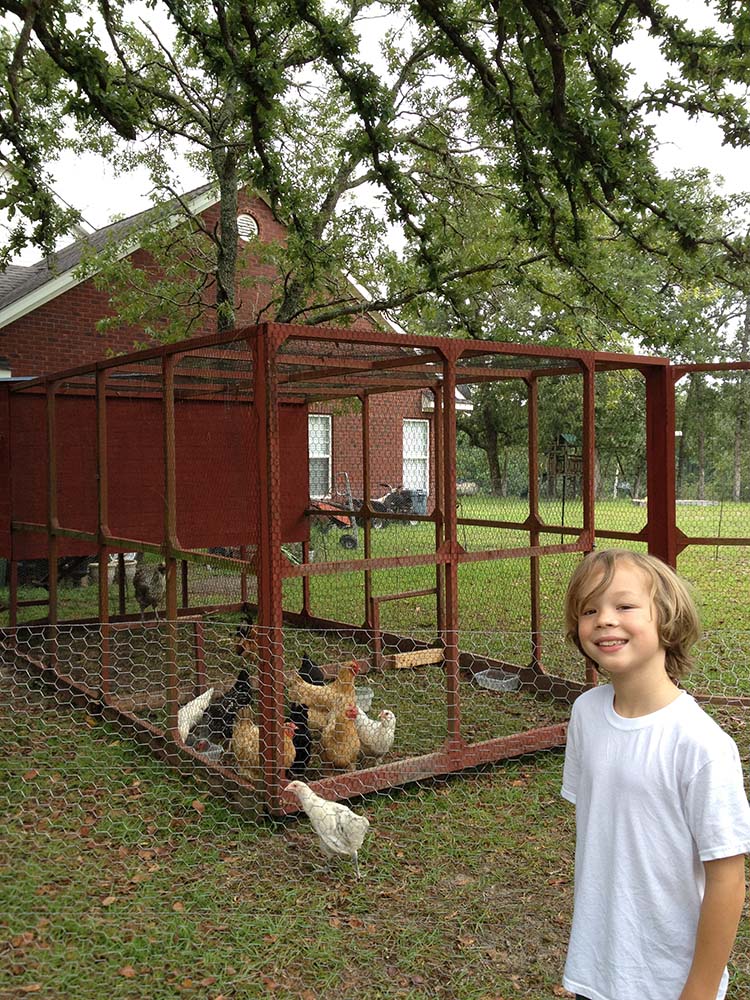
(416, 455)
(319, 454)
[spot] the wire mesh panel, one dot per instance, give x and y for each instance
(373, 668)
(159, 886)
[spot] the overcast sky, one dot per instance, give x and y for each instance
(89, 184)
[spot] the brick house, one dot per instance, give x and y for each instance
(49, 312)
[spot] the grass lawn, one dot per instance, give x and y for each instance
(122, 879)
(494, 595)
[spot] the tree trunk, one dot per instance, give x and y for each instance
(224, 161)
(493, 462)
(682, 455)
(637, 483)
(504, 476)
(226, 256)
(701, 462)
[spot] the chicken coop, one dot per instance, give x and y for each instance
(283, 587)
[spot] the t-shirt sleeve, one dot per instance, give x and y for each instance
(571, 768)
(716, 807)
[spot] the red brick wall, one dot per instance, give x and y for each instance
(387, 414)
(62, 334)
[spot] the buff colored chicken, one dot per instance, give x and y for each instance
(246, 745)
(324, 699)
(376, 735)
(339, 741)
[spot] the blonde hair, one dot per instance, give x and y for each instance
(677, 619)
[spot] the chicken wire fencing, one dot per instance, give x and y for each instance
(345, 711)
(113, 852)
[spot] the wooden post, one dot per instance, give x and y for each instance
(660, 427)
(270, 580)
(170, 542)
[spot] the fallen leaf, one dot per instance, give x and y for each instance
(128, 972)
(208, 981)
(30, 988)
(178, 907)
(30, 775)
(22, 940)
(199, 806)
(108, 900)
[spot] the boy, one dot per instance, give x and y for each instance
(662, 819)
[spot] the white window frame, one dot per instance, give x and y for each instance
(311, 417)
(423, 457)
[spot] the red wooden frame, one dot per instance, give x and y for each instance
(277, 367)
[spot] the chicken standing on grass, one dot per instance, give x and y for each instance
(376, 735)
(310, 671)
(298, 714)
(217, 721)
(339, 741)
(326, 698)
(246, 745)
(340, 831)
(149, 588)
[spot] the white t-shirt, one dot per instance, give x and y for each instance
(655, 797)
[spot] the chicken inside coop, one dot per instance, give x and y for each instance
(149, 585)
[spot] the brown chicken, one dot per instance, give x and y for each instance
(324, 699)
(149, 587)
(246, 745)
(340, 740)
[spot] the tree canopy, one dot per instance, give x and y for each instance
(501, 142)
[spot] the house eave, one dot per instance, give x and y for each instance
(67, 280)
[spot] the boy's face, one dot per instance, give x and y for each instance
(617, 627)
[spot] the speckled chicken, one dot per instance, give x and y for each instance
(376, 735)
(340, 830)
(246, 745)
(149, 587)
(339, 742)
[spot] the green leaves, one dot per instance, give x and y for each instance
(499, 146)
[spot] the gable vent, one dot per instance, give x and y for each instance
(247, 227)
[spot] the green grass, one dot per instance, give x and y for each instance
(492, 595)
(123, 880)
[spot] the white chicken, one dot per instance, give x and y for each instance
(189, 714)
(340, 831)
(375, 735)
